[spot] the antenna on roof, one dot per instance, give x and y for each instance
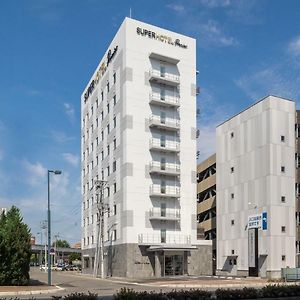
(130, 12)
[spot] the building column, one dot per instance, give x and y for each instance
(158, 264)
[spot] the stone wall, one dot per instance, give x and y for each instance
(200, 261)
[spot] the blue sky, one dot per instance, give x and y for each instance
(49, 49)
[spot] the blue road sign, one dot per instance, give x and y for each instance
(264, 221)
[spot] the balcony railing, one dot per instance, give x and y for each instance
(164, 145)
(163, 77)
(156, 239)
(164, 168)
(165, 123)
(164, 191)
(164, 214)
(165, 100)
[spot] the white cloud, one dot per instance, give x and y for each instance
(71, 158)
(35, 172)
(215, 3)
(61, 137)
(294, 46)
(70, 111)
(275, 80)
(176, 7)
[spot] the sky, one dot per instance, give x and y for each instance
(246, 49)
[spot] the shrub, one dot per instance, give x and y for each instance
(81, 296)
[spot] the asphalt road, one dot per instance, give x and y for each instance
(72, 282)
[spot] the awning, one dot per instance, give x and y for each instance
(168, 59)
(170, 247)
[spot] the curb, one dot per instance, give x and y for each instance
(34, 292)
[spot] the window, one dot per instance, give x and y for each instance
(92, 219)
(115, 187)
(115, 209)
(97, 160)
(283, 257)
(283, 199)
(107, 107)
(102, 175)
(232, 134)
(114, 235)
(232, 222)
(102, 96)
(108, 150)
(115, 77)
(97, 141)
(97, 122)
(102, 115)
(108, 191)
(88, 169)
(282, 138)
(107, 86)
(102, 135)
(232, 195)
(283, 229)
(108, 171)
(282, 169)
(114, 166)
(115, 100)
(232, 169)
(92, 164)
(232, 251)
(92, 128)
(92, 146)
(92, 110)
(102, 155)
(92, 239)
(163, 235)
(97, 102)
(107, 127)
(115, 122)
(115, 144)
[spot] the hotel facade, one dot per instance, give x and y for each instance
(257, 210)
(138, 135)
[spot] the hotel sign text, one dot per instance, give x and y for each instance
(160, 37)
(102, 69)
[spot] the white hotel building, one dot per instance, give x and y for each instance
(256, 224)
(139, 134)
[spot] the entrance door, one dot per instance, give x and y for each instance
(174, 265)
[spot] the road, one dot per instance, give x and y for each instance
(72, 282)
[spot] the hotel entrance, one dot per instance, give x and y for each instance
(173, 265)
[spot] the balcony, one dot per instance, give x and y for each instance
(157, 190)
(164, 100)
(164, 123)
(164, 214)
(156, 167)
(164, 146)
(157, 239)
(163, 78)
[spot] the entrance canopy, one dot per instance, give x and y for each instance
(171, 247)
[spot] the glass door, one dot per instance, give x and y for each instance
(163, 209)
(162, 71)
(163, 164)
(162, 94)
(163, 187)
(163, 235)
(163, 117)
(163, 141)
(174, 265)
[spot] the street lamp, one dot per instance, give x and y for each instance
(56, 172)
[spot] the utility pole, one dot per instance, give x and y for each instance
(100, 185)
(43, 225)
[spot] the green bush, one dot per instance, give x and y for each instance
(81, 296)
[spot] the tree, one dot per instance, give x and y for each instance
(15, 249)
(74, 256)
(61, 244)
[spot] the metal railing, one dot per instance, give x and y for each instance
(156, 166)
(172, 214)
(164, 75)
(175, 100)
(168, 122)
(178, 239)
(164, 144)
(157, 189)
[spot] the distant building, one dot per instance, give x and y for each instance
(206, 202)
(77, 245)
(256, 224)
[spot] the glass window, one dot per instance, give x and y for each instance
(163, 236)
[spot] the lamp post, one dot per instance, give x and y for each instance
(56, 172)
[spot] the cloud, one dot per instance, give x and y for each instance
(215, 3)
(61, 137)
(70, 111)
(176, 7)
(274, 80)
(212, 113)
(35, 172)
(294, 46)
(71, 158)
